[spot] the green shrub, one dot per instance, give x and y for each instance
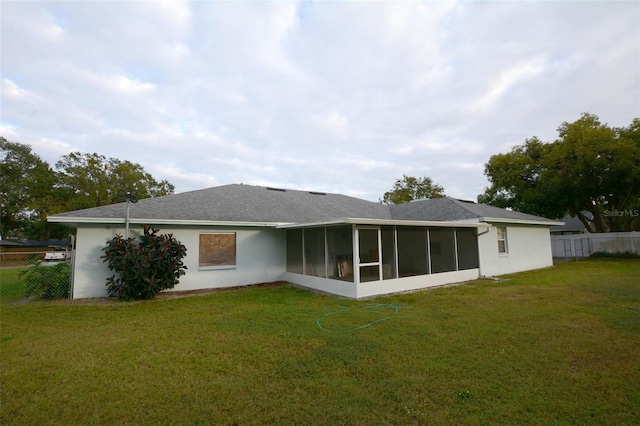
(145, 268)
(47, 282)
(616, 255)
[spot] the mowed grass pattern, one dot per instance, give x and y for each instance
(555, 346)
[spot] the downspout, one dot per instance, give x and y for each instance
(72, 266)
(479, 258)
(485, 232)
(126, 222)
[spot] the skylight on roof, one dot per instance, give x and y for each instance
(317, 193)
(276, 189)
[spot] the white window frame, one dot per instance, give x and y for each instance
(502, 239)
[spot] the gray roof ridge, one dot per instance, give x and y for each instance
(282, 189)
(463, 204)
(439, 209)
(240, 203)
(505, 213)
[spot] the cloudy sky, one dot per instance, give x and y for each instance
(329, 96)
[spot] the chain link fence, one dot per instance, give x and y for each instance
(27, 275)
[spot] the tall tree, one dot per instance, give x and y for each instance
(26, 188)
(91, 180)
(411, 188)
(517, 183)
(591, 167)
(30, 189)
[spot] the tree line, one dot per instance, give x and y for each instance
(591, 171)
(30, 189)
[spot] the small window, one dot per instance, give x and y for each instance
(502, 240)
(217, 250)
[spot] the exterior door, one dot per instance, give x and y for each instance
(369, 254)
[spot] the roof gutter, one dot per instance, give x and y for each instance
(520, 221)
(388, 222)
(74, 221)
(482, 222)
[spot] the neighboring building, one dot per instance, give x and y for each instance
(34, 244)
(242, 234)
(12, 243)
(572, 225)
(21, 252)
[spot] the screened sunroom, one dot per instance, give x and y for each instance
(363, 257)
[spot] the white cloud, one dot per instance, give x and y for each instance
(113, 83)
(332, 96)
(10, 90)
(181, 177)
(506, 80)
(332, 123)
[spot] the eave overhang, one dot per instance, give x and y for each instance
(520, 221)
(483, 222)
(384, 222)
(75, 221)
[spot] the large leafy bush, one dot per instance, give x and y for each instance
(144, 268)
(46, 282)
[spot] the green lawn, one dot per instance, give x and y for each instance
(555, 346)
(11, 287)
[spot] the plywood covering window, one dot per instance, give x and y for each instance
(218, 250)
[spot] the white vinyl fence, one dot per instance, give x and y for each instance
(584, 245)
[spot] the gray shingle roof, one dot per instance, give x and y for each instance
(247, 203)
(243, 203)
(571, 223)
(451, 209)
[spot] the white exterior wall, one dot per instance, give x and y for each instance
(89, 272)
(529, 247)
(325, 285)
(260, 257)
(376, 288)
(399, 285)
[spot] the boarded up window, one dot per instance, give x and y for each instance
(218, 249)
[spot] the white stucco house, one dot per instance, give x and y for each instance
(242, 235)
